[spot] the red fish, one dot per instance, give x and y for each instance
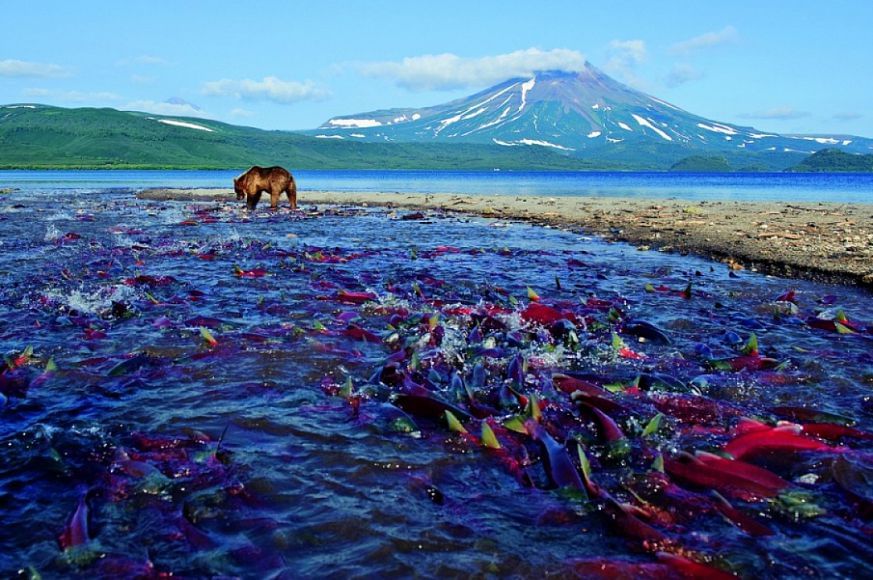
(542, 314)
(355, 297)
(789, 296)
(358, 333)
(690, 569)
(750, 359)
(811, 415)
(668, 567)
(253, 273)
(734, 478)
(743, 521)
(747, 471)
(840, 323)
(758, 437)
(419, 402)
(622, 516)
(611, 432)
(570, 385)
(833, 432)
(692, 409)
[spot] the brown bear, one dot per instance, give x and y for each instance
(273, 180)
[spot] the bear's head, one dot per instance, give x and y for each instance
(239, 186)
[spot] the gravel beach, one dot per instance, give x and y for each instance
(827, 242)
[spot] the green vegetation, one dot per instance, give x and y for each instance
(702, 163)
(57, 138)
(835, 161)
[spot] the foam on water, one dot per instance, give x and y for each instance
(52, 233)
(91, 301)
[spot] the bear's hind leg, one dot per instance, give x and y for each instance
(275, 192)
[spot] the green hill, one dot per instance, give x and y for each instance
(46, 137)
(835, 161)
(701, 163)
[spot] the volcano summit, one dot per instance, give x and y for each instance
(584, 113)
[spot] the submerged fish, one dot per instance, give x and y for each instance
(76, 531)
(559, 468)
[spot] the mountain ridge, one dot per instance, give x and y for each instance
(577, 113)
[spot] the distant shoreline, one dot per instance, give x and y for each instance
(827, 242)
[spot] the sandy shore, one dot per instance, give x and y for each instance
(822, 241)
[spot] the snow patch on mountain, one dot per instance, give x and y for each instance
(495, 95)
(496, 121)
(665, 103)
(537, 142)
(475, 113)
(446, 122)
(593, 134)
(184, 124)
(544, 144)
(525, 87)
(355, 123)
(650, 124)
(823, 140)
(716, 128)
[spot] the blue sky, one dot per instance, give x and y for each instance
(788, 66)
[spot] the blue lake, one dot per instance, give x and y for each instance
(839, 188)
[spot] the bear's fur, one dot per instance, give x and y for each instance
(273, 180)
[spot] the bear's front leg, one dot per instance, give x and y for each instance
(252, 200)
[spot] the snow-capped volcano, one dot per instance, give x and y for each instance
(571, 112)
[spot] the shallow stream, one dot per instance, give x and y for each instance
(264, 395)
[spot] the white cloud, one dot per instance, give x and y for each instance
(22, 68)
(706, 40)
(176, 109)
(143, 79)
(79, 97)
(682, 73)
(150, 59)
(630, 51)
(449, 71)
(783, 112)
(241, 113)
(145, 59)
(847, 116)
(624, 56)
(269, 89)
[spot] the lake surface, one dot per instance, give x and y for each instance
(794, 187)
(196, 390)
